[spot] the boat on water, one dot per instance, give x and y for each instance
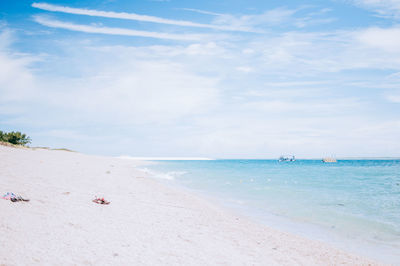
(287, 158)
(329, 160)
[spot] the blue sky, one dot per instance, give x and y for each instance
(223, 79)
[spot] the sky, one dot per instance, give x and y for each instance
(219, 79)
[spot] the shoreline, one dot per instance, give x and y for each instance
(349, 241)
(146, 223)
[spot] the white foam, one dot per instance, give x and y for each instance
(172, 175)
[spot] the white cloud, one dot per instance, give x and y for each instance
(261, 23)
(244, 69)
(298, 54)
(247, 51)
(16, 79)
(227, 22)
(210, 48)
(316, 108)
(387, 8)
(271, 136)
(190, 99)
(114, 31)
(255, 22)
(143, 91)
(202, 11)
(130, 16)
(66, 134)
(125, 86)
(383, 38)
(395, 98)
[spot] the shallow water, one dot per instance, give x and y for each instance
(353, 204)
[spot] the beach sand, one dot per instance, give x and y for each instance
(147, 223)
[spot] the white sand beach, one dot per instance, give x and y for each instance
(147, 223)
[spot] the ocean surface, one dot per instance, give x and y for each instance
(351, 204)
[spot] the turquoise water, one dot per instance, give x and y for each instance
(354, 204)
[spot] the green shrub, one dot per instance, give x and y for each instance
(16, 138)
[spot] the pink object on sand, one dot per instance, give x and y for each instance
(8, 196)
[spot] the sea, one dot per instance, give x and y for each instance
(353, 205)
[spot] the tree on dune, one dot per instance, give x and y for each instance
(14, 137)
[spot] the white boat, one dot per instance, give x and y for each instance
(329, 160)
(287, 158)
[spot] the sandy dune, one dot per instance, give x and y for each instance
(146, 223)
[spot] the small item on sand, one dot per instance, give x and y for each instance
(8, 196)
(14, 198)
(100, 201)
(18, 198)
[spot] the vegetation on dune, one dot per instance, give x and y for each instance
(16, 138)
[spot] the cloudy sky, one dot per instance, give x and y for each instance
(222, 79)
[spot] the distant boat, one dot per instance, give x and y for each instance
(287, 158)
(329, 160)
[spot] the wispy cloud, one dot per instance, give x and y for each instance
(383, 38)
(114, 31)
(286, 90)
(16, 80)
(131, 16)
(202, 11)
(278, 16)
(385, 8)
(393, 98)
